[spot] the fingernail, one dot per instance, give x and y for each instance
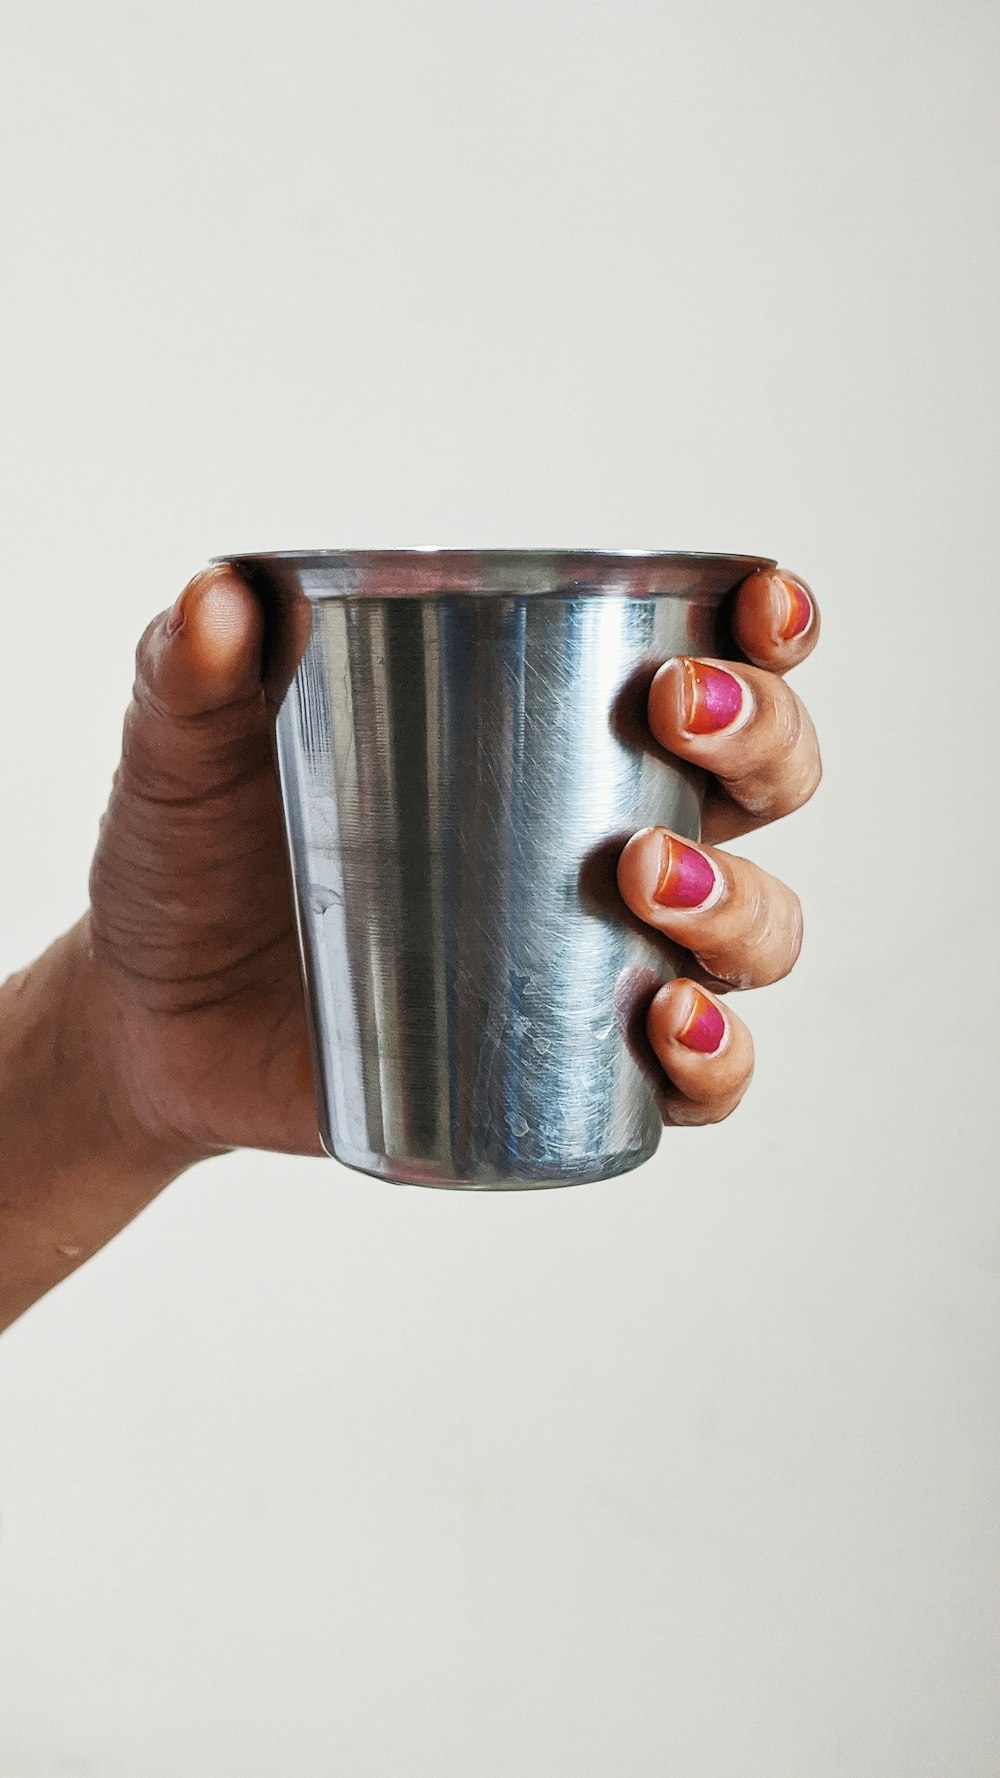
(705, 1026)
(687, 879)
(176, 618)
(798, 613)
(713, 699)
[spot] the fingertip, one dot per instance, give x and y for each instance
(665, 705)
(212, 639)
(220, 619)
(775, 618)
(695, 702)
(667, 1012)
(682, 1014)
(705, 1051)
(639, 868)
(662, 877)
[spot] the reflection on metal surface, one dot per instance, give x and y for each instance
(462, 756)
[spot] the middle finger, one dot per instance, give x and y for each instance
(743, 926)
(744, 725)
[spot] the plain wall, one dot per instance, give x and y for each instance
(694, 1472)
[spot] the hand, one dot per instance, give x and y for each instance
(742, 928)
(191, 930)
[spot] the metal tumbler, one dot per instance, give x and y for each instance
(463, 752)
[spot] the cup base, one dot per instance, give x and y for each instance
(408, 1170)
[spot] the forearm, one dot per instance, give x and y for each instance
(74, 1169)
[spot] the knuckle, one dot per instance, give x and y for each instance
(696, 1114)
(796, 932)
(716, 1112)
(762, 941)
(790, 724)
(803, 785)
(784, 941)
(803, 764)
(785, 770)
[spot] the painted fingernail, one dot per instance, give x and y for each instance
(687, 879)
(798, 613)
(175, 619)
(713, 700)
(705, 1026)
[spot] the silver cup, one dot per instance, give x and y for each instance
(463, 752)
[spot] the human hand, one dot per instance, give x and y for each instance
(741, 928)
(191, 933)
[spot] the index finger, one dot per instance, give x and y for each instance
(775, 619)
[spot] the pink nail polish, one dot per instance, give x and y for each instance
(175, 620)
(687, 879)
(713, 700)
(798, 610)
(705, 1026)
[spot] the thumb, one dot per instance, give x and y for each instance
(205, 653)
(198, 722)
(189, 879)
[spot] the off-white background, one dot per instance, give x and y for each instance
(692, 1473)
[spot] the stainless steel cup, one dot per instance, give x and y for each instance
(463, 752)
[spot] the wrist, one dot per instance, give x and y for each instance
(75, 1166)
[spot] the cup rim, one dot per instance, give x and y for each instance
(320, 575)
(426, 554)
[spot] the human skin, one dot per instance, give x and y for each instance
(168, 1025)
